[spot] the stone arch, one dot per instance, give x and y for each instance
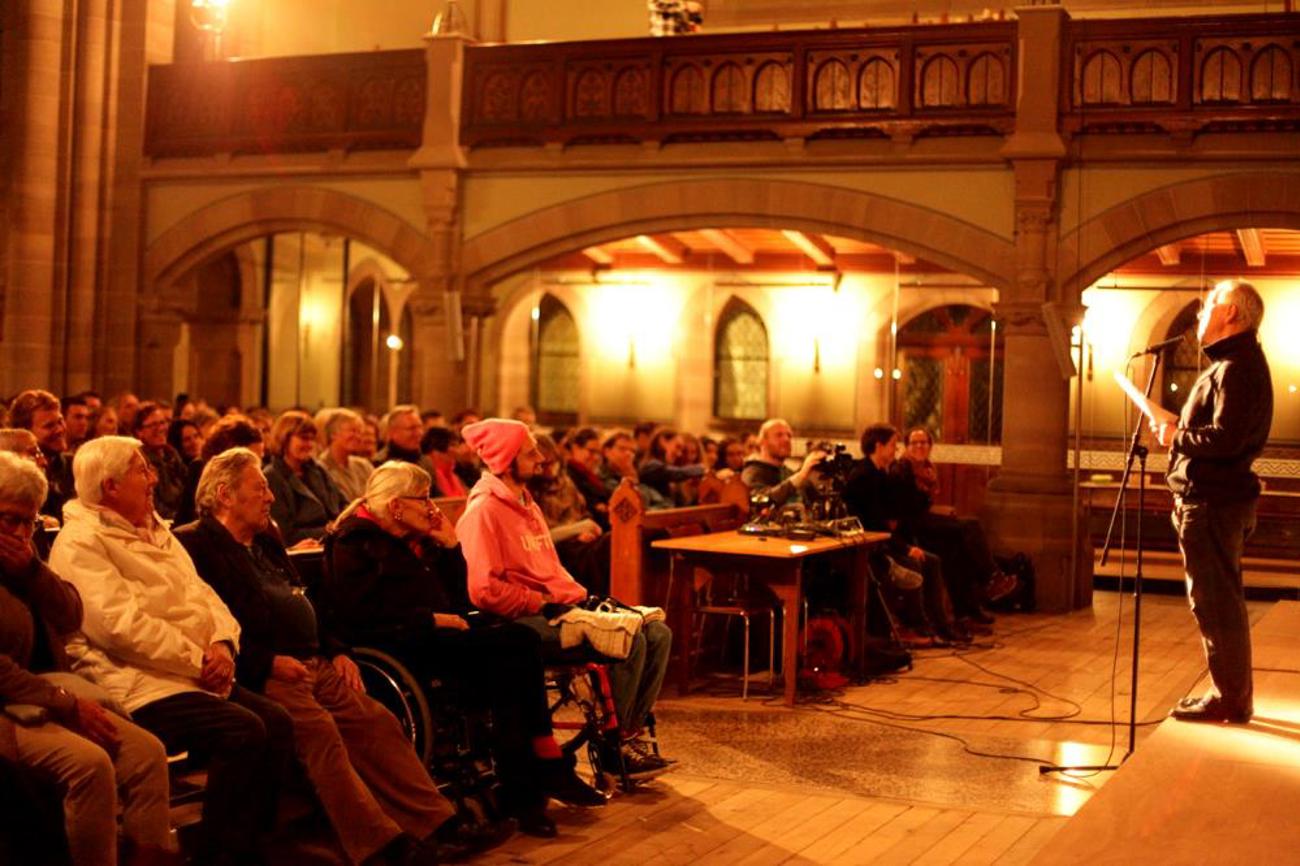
(243, 217)
(738, 203)
(1161, 216)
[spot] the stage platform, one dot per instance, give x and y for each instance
(1206, 794)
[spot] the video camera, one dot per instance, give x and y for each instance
(828, 480)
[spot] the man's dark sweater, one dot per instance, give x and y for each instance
(1224, 424)
(871, 496)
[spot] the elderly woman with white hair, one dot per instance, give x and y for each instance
(162, 643)
(344, 431)
(396, 581)
(378, 796)
(55, 722)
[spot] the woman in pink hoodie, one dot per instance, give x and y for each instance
(515, 572)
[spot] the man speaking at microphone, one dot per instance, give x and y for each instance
(1212, 444)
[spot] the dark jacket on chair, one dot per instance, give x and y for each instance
(229, 568)
(378, 586)
(303, 505)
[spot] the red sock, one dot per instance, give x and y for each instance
(546, 748)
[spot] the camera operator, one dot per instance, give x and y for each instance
(766, 474)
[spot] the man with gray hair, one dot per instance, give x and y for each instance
(1212, 444)
(162, 643)
(60, 726)
(402, 429)
(343, 430)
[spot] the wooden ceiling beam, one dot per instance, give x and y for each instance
(669, 250)
(1170, 255)
(1252, 247)
(813, 246)
(729, 244)
(599, 255)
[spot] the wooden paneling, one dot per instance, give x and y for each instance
(898, 82)
(365, 101)
(1183, 75)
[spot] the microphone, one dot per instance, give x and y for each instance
(1157, 348)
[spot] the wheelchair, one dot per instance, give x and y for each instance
(452, 740)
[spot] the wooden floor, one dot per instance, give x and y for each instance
(705, 814)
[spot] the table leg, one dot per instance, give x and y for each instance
(859, 599)
(681, 617)
(791, 596)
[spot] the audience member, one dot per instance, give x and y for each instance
(372, 786)
(767, 476)
(23, 443)
(660, 469)
(583, 547)
(619, 453)
(231, 431)
(341, 458)
(94, 401)
(464, 417)
(397, 582)
(151, 423)
(581, 457)
(105, 422)
(92, 753)
(959, 541)
(369, 437)
(468, 466)
(39, 412)
(872, 497)
(126, 404)
(709, 454)
(184, 436)
(162, 643)
(641, 436)
(401, 431)
(432, 418)
(441, 446)
(306, 499)
(525, 415)
(731, 455)
(514, 572)
(76, 420)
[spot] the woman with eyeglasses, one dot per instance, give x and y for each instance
(150, 427)
(306, 498)
(397, 581)
(973, 575)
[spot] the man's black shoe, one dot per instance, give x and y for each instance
(534, 822)
(1210, 708)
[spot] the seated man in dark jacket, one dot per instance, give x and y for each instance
(872, 497)
(378, 796)
(396, 581)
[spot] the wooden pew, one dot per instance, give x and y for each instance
(635, 578)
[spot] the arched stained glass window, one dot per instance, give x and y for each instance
(556, 364)
(740, 364)
(1182, 361)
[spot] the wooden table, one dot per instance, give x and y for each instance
(778, 562)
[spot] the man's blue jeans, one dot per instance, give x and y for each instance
(1212, 537)
(635, 680)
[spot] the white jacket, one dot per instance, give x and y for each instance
(149, 618)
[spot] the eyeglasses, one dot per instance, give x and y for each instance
(14, 523)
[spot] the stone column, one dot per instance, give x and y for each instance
(442, 369)
(32, 102)
(1030, 503)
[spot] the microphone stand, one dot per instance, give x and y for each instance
(1136, 451)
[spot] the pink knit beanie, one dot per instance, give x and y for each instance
(496, 440)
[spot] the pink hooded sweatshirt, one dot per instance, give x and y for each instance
(513, 567)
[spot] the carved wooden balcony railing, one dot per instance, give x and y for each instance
(1183, 76)
(365, 101)
(898, 83)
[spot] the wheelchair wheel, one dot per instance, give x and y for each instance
(393, 684)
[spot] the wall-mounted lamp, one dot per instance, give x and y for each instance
(211, 16)
(1291, 389)
(897, 374)
(394, 342)
(879, 373)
